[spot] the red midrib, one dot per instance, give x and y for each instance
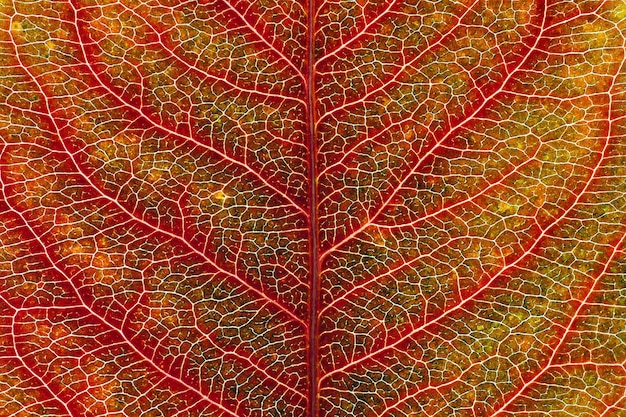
(312, 362)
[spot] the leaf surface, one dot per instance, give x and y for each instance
(343, 208)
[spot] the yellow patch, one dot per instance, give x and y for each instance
(16, 27)
(219, 197)
(506, 209)
(619, 11)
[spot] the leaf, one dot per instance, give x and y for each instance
(343, 208)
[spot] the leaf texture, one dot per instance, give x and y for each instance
(251, 208)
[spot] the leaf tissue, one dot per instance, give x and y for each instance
(281, 208)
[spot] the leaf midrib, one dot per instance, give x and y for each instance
(312, 359)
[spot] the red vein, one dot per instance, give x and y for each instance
(110, 326)
(188, 65)
(313, 333)
(436, 146)
(404, 66)
(556, 350)
(147, 224)
(205, 73)
(173, 132)
(391, 272)
(436, 387)
(483, 191)
(265, 41)
(19, 357)
(616, 249)
(224, 352)
(461, 304)
(521, 257)
(361, 32)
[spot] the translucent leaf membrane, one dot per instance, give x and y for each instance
(344, 208)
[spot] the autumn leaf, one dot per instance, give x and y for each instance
(252, 208)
